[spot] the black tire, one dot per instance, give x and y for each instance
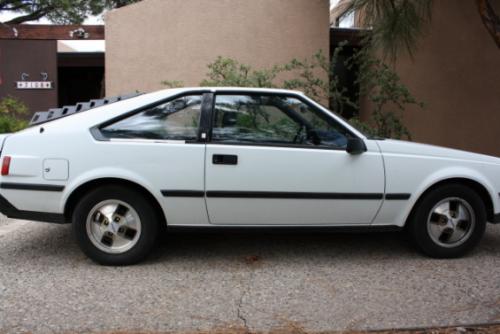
(148, 220)
(418, 224)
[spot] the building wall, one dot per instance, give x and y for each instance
(156, 40)
(31, 57)
(456, 73)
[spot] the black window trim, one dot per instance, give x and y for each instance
(288, 95)
(96, 132)
(208, 114)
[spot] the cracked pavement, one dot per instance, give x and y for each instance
(246, 281)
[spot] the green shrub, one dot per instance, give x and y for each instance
(315, 76)
(12, 114)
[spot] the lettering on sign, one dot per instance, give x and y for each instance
(34, 85)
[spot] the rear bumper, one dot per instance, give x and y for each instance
(12, 212)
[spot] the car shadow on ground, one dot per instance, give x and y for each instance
(256, 246)
(248, 246)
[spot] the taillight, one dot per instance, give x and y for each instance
(5, 165)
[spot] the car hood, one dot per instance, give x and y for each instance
(390, 146)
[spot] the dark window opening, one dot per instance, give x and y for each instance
(80, 77)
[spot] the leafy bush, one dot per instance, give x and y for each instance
(228, 72)
(12, 112)
(315, 76)
(382, 86)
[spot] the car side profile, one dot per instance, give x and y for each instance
(237, 157)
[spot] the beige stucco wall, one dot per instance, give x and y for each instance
(157, 40)
(456, 73)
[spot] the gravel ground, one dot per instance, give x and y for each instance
(4, 220)
(260, 282)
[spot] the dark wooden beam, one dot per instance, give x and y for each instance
(57, 32)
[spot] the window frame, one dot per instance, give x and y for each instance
(263, 144)
(208, 114)
(206, 103)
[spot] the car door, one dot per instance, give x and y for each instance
(280, 160)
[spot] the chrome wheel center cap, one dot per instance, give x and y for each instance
(113, 226)
(451, 222)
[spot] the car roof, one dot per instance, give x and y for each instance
(233, 89)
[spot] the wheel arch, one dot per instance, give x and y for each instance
(475, 185)
(84, 188)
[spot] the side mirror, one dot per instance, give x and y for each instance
(355, 146)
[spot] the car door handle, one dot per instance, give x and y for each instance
(224, 159)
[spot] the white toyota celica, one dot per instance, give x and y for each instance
(236, 157)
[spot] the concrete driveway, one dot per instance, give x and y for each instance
(260, 282)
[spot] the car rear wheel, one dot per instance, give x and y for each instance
(448, 221)
(115, 225)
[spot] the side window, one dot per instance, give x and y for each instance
(268, 119)
(174, 120)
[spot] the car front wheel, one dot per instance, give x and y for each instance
(448, 221)
(115, 225)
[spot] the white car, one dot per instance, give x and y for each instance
(236, 157)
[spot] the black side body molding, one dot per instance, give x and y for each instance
(390, 197)
(182, 193)
(292, 195)
(12, 212)
(283, 195)
(35, 187)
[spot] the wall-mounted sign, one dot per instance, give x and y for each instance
(24, 84)
(34, 85)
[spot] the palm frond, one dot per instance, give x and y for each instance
(396, 24)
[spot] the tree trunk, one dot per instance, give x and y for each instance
(490, 19)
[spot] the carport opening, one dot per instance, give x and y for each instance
(80, 77)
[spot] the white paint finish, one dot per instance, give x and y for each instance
(185, 211)
(409, 168)
(154, 165)
(390, 146)
(414, 168)
(278, 169)
(291, 212)
(55, 169)
(2, 139)
(37, 201)
(389, 211)
(25, 166)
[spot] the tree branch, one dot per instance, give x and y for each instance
(38, 14)
(490, 19)
(23, 6)
(9, 5)
(4, 3)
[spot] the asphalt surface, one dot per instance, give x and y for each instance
(259, 282)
